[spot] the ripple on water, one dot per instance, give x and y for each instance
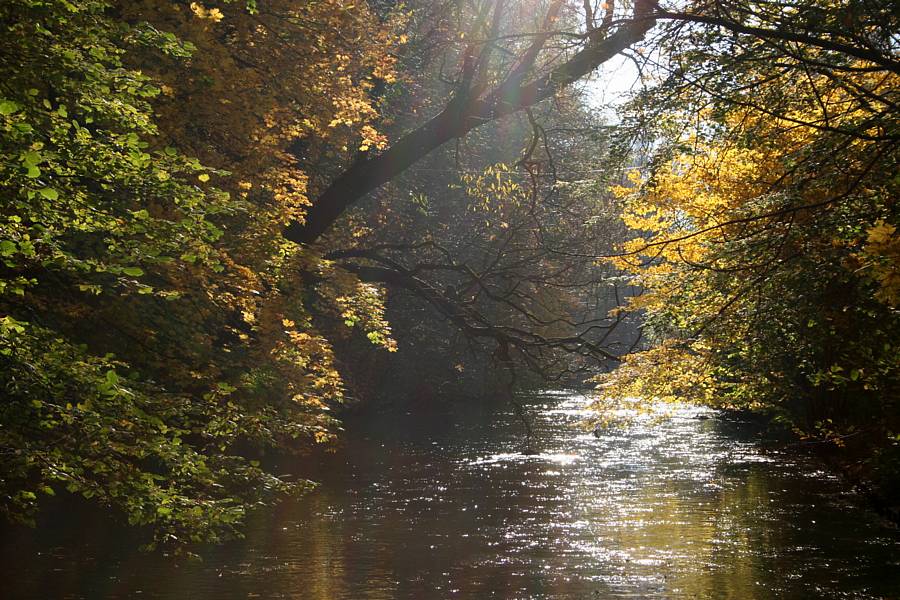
(674, 507)
(557, 458)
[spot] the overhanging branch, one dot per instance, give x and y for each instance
(461, 115)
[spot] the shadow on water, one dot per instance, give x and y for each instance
(440, 501)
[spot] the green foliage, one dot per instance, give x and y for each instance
(78, 423)
(85, 197)
(126, 376)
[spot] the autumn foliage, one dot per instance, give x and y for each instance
(765, 245)
(204, 202)
(157, 332)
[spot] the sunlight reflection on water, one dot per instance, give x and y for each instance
(439, 504)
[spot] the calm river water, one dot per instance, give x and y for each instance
(439, 502)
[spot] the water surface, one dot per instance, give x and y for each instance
(439, 501)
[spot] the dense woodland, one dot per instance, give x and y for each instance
(222, 221)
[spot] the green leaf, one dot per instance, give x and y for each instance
(7, 248)
(49, 193)
(31, 158)
(8, 107)
(133, 271)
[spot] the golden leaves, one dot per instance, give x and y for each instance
(670, 372)
(213, 14)
(270, 82)
(495, 191)
(371, 137)
(880, 257)
(881, 234)
(269, 94)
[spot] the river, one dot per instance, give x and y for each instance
(438, 501)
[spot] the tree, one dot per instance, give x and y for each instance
(502, 70)
(485, 92)
(488, 87)
(767, 228)
(151, 348)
